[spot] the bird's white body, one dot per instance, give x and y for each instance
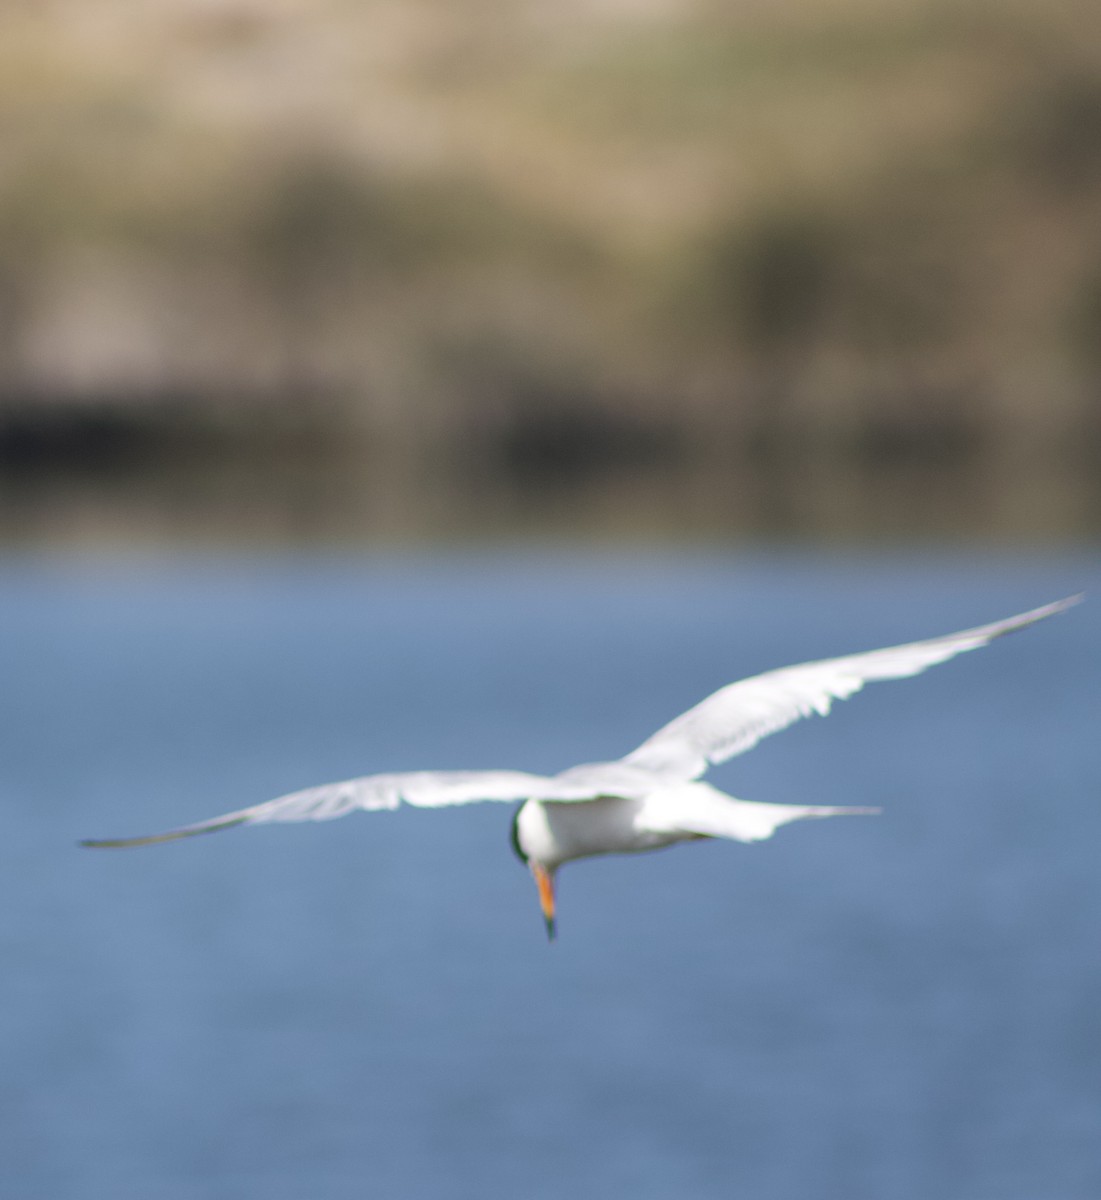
(652, 797)
(553, 833)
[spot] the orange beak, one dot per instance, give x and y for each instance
(544, 880)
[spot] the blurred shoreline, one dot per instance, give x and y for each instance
(135, 489)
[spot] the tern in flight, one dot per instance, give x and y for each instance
(651, 798)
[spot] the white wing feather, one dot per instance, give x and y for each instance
(735, 718)
(424, 789)
(729, 722)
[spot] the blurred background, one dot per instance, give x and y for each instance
(412, 384)
(321, 270)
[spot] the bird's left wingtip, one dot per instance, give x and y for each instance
(126, 843)
(173, 835)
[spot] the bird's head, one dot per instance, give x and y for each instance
(544, 876)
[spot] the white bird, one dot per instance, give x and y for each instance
(650, 798)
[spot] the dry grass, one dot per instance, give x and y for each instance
(852, 221)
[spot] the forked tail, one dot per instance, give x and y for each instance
(703, 809)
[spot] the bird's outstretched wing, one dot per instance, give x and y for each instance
(729, 722)
(424, 789)
(735, 718)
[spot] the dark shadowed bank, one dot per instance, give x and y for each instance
(97, 481)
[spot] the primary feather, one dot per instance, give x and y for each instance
(735, 718)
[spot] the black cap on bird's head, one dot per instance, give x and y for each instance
(514, 834)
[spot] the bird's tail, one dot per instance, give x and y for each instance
(703, 809)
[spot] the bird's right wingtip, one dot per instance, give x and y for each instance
(1025, 619)
(1055, 607)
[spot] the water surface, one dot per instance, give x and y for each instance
(892, 1008)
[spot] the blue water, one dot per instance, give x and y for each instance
(892, 1007)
